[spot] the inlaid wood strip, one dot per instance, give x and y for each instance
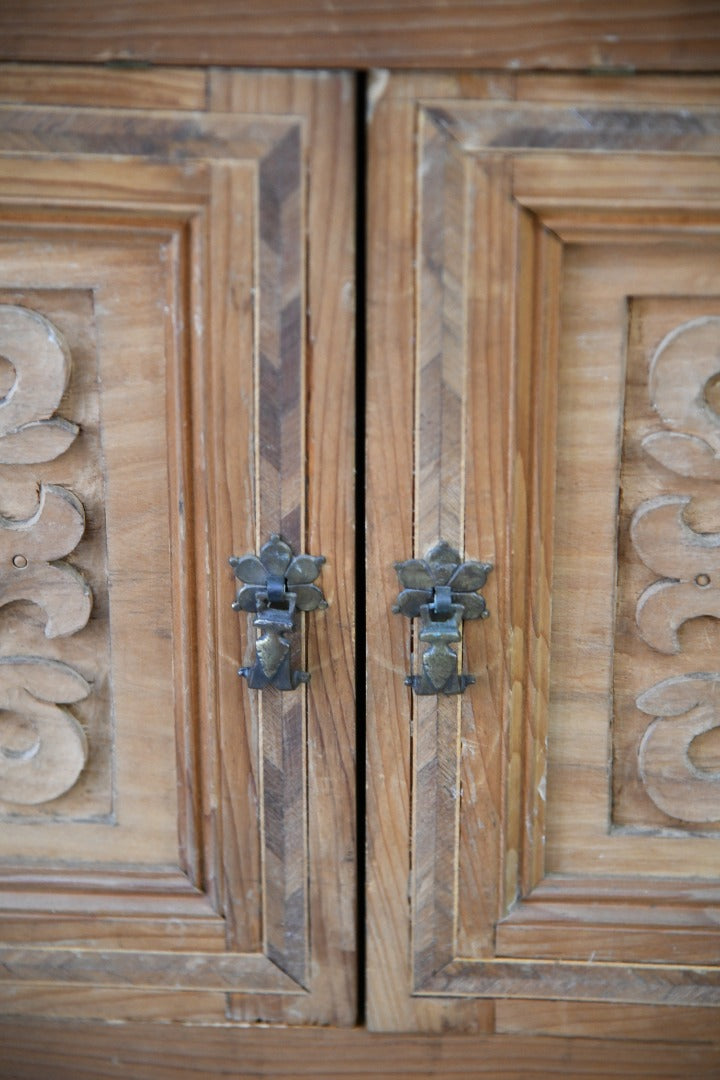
(532, 127)
(192, 136)
(440, 446)
(279, 494)
(454, 739)
(250, 972)
(634, 983)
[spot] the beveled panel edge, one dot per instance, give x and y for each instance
(653, 983)
(609, 127)
(145, 969)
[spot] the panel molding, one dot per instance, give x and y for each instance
(575, 917)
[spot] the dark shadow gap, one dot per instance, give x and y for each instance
(360, 399)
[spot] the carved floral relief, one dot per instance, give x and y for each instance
(684, 564)
(43, 747)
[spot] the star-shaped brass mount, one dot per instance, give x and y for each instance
(442, 591)
(276, 584)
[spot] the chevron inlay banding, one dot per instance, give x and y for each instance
(280, 487)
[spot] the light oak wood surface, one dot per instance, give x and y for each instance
(570, 34)
(154, 1052)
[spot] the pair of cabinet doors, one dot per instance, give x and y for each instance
(541, 851)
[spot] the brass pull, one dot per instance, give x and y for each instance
(276, 584)
(443, 591)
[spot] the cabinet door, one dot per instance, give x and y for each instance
(544, 848)
(176, 305)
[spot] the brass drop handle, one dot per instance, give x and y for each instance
(442, 591)
(276, 584)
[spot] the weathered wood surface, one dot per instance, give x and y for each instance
(437, 738)
(571, 34)
(73, 1051)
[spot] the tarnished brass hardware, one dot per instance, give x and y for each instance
(442, 591)
(276, 584)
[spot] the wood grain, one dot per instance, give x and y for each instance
(579, 1019)
(404, 731)
(679, 36)
(73, 1051)
(439, 512)
(107, 87)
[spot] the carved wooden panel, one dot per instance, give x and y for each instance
(665, 771)
(53, 585)
(171, 275)
(44, 748)
(545, 278)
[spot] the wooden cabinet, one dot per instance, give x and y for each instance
(543, 346)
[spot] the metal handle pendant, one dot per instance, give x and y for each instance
(276, 584)
(442, 590)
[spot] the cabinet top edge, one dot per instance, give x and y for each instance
(679, 35)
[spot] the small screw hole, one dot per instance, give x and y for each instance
(703, 580)
(20, 561)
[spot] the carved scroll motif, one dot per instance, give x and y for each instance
(43, 749)
(689, 562)
(27, 553)
(683, 365)
(29, 433)
(685, 706)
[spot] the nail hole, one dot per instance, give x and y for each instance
(703, 580)
(20, 561)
